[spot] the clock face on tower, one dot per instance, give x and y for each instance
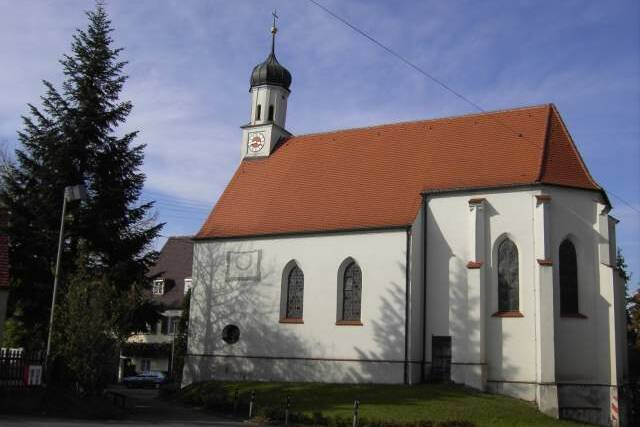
(255, 141)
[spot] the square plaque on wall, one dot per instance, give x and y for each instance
(243, 265)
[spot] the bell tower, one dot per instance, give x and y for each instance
(269, 90)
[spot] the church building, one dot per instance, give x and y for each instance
(475, 249)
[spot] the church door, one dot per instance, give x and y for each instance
(441, 359)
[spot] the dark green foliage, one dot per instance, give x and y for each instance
(72, 139)
(83, 338)
(145, 349)
(180, 342)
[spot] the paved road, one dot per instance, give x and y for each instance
(148, 410)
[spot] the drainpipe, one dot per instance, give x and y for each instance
(424, 287)
(407, 295)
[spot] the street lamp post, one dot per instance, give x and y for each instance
(71, 193)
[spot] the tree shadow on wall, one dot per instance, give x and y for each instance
(388, 336)
(389, 326)
(251, 306)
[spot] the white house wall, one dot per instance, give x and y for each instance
(318, 349)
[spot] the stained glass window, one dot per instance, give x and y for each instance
(568, 278)
(295, 293)
(508, 281)
(351, 292)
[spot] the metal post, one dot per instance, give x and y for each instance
(253, 398)
(235, 402)
(71, 192)
(356, 406)
(56, 275)
(173, 346)
(286, 411)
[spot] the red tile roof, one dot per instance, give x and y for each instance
(373, 177)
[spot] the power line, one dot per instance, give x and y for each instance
(399, 56)
(177, 207)
(624, 201)
(432, 78)
(181, 200)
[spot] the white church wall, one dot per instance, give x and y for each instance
(510, 347)
(318, 349)
(511, 352)
(574, 216)
(587, 384)
(416, 300)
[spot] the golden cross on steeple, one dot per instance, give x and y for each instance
(274, 30)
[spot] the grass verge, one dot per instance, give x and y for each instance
(439, 404)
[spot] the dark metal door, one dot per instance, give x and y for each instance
(441, 359)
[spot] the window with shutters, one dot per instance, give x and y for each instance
(158, 287)
(568, 278)
(508, 277)
(351, 292)
(295, 293)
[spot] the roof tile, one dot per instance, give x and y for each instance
(373, 177)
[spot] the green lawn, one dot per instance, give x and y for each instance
(380, 402)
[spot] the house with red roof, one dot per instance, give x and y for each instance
(475, 249)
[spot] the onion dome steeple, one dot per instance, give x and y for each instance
(269, 92)
(271, 72)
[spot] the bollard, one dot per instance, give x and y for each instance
(356, 406)
(286, 411)
(235, 402)
(251, 403)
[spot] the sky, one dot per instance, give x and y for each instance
(190, 61)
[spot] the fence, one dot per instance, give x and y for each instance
(19, 368)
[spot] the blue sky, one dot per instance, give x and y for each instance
(190, 63)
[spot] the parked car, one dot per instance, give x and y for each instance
(146, 379)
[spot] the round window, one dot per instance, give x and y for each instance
(230, 334)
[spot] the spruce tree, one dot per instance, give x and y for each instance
(73, 139)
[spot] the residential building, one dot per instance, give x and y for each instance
(152, 350)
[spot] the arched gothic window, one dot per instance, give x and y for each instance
(508, 281)
(258, 112)
(351, 292)
(568, 278)
(270, 113)
(295, 293)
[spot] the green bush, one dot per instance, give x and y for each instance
(276, 414)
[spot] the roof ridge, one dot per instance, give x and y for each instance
(574, 147)
(545, 145)
(460, 116)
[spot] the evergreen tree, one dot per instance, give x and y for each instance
(72, 139)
